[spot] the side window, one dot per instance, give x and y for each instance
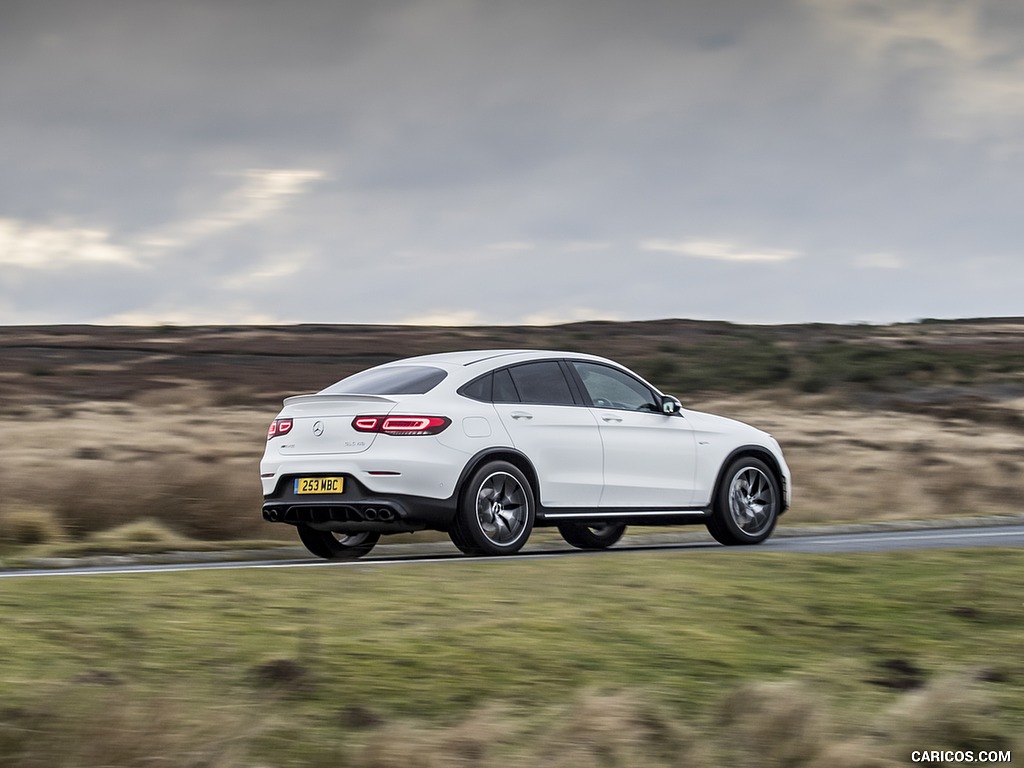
(504, 389)
(541, 383)
(479, 389)
(611, 388)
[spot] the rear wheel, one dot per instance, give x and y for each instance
(496, 511)
(594, 536)
(747, 503)
(337, 546)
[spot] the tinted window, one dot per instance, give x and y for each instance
(504, 389)
(541, 383)
(393, 380)
(479, 389)
(611, 388)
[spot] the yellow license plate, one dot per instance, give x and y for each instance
(319, 485)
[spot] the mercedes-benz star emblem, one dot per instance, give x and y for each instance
(318, 428)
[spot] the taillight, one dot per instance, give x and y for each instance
(367, 423)
(401, 425)
(279, 427)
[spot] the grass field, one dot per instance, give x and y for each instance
(718, 659)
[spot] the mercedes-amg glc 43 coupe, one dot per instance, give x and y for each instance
(487, 445)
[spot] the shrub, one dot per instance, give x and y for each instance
(778, 723)
(617, 729)
(952, 711)
(28, 526)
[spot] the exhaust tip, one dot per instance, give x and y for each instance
(370, 513)
(385, 514)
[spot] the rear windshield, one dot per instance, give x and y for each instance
(393, 380)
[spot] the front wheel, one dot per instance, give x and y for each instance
(747, 503)
(593, 536)
(337, 546)
(496, 511)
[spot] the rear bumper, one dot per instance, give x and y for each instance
(357, 509)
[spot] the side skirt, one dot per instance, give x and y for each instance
(547, 516)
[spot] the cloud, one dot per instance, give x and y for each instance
(277, 268)
(445, 317)
(975, 72)
(880, 261)
(42, 247)
(587, 143)
(586, 246)
(263, 193)
(510, 246)
(719, 250)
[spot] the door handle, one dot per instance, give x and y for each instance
(521, 415)
(615, 419)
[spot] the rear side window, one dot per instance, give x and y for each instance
(504, 389)
(542, 384)
(392, 380)
(479, 389)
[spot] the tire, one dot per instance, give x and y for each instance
(337, 546)
(460, 540)
(496, 511)
(593, 536)
(747, 503)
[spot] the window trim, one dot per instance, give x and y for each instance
(579, 398)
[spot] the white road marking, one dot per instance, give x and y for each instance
(802, 544)
(928, 534)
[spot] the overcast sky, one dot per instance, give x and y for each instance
(515, 161)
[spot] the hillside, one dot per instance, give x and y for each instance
(931, 365)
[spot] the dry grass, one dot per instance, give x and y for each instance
(598, 728)
(97, 721)
(954, 711)
(98, 466)
(192, 466)
(619, 728)
(860, 465)
(778, 724)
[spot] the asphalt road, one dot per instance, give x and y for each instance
(955, 538)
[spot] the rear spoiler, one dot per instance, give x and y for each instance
(320, 398)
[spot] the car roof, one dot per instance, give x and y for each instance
(487, 358)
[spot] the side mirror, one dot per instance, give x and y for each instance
(670, 405)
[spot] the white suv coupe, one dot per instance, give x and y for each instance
(486, 445)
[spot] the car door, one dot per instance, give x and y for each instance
(559, 435)
(650, 457)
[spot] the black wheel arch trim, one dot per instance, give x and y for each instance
(496, 453)
(758, 452)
